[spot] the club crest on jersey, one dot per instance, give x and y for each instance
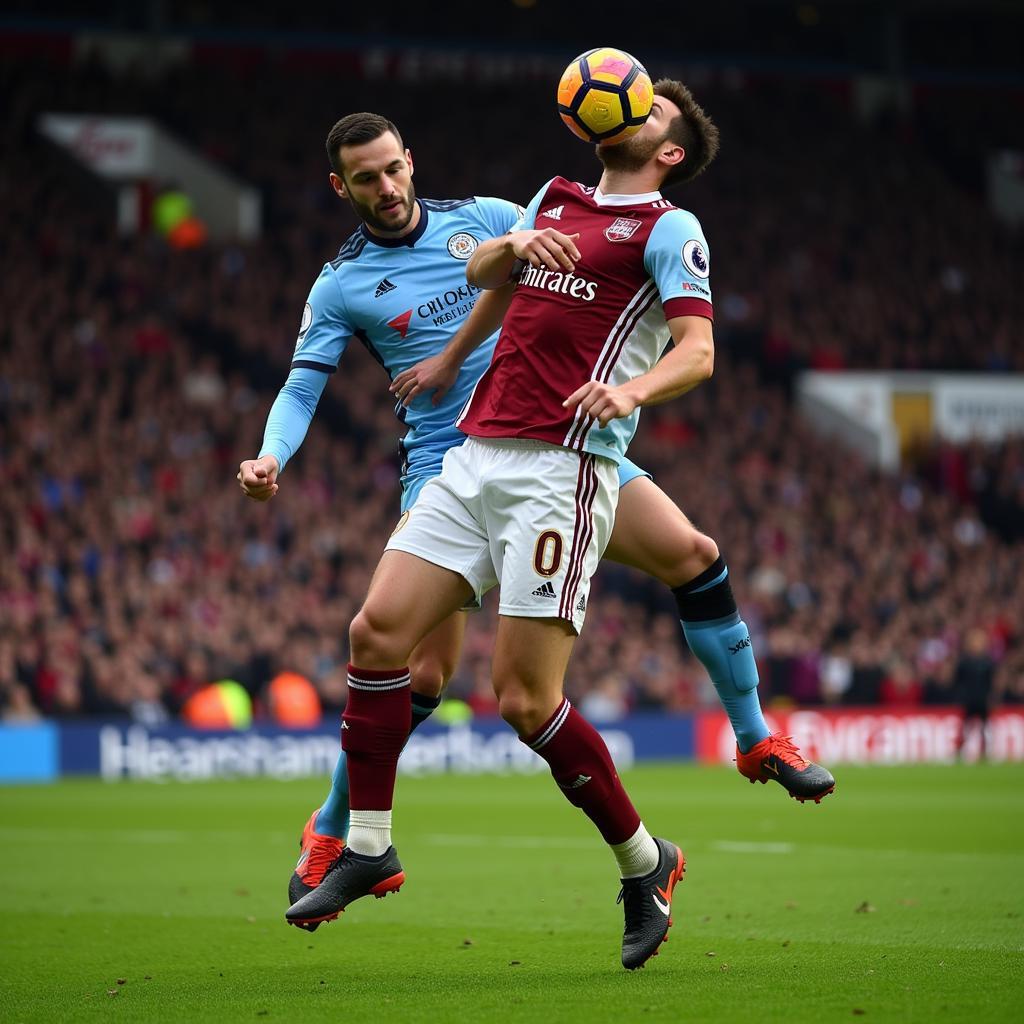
(622, 228)
(304, 324)
(462, 245)
(695, 259)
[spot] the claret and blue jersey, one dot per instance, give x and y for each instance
(404, 299)
(643, 262)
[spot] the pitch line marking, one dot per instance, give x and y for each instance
(731, 846)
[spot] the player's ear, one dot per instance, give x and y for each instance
(408, 160)
(338, 184)
(671, 155)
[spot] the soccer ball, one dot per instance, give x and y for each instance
(605, 95)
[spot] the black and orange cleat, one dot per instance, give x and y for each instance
(647, 904)
(316, 854)
(350, 877)
(778, 758)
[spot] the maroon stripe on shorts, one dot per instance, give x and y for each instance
(581, 487)
(582, 533)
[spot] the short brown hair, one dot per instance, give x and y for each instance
(693, 130)
(354, 130)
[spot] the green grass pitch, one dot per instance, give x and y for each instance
(900, 898)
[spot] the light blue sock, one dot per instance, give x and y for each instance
(333, 817)
(723, 647)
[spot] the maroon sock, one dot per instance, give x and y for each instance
(583, 769)
(374, 729)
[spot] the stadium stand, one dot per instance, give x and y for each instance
(134, 377)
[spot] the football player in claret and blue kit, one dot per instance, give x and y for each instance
(398, 286)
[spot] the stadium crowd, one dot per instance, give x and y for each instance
(133, 378)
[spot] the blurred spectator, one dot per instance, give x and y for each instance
(16, 705)
(973, 680)
(134, 377)
(900, 688)
(606, 700)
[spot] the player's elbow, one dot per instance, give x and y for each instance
(482, 275)
(473, 270)
(488, 266)
(705, 360)
(478, 266)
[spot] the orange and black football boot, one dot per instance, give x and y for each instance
(778, 758)
(316, 855)
(350, 878)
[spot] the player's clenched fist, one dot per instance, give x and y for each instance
(258, 478)
(601, 401)
(546, 248)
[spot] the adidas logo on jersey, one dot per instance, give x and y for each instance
(555, 213)
(383, 288)
(581, 604)
(545, 590)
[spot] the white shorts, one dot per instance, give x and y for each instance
(531, 516)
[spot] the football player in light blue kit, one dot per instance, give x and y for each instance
(398, 287)
(400, 298)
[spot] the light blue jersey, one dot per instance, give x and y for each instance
(403, 299)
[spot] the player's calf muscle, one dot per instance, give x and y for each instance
(434, 660)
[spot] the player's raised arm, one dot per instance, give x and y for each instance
(690, 361)
(438, 373)
(494, 262)
(324, 331)
(497, 260)
(287, 423)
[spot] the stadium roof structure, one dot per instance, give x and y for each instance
(920, 38)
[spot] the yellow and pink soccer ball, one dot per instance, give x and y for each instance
(605, 95)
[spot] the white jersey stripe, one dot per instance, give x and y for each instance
(608, 341)
(582, 439)
(469, 402)
(604, 372)
(579, 419)
(616, 353)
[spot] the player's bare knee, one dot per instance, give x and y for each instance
(513, 706)
(429, 673)
(705, 550)
(374, 643)
(694, 553)
(526, 712)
